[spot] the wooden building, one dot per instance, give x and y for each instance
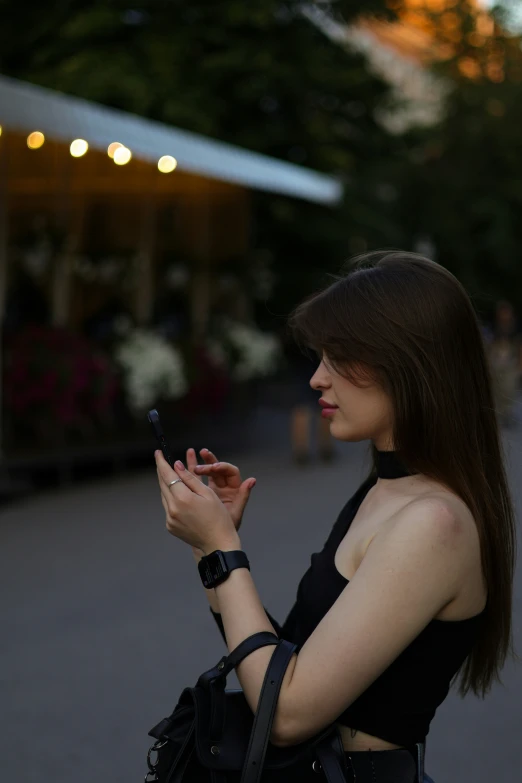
(172, 190)
(82, 184)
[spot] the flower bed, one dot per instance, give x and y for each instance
(57, 386)
(64, 389)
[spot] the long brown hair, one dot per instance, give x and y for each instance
(409, 324)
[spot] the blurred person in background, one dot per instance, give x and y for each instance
(305, 412)
(505, 358)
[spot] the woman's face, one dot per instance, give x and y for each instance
(362, 412)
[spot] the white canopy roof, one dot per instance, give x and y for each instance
(25, 107)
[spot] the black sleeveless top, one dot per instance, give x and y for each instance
(400, 704)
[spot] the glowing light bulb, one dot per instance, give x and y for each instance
(0, 130)
(167, 163)
(122, 156)
(111, 149)
(78, 148)
(35, 140)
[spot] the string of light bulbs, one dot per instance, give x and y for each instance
(117, 151)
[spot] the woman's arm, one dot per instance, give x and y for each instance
(284, 632)
(219, 622)
(411, 570)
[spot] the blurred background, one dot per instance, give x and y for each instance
(174, 178)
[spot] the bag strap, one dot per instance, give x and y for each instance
(229, 662)
(329, 749)
(421, 753)
(330, 753)
(215, 679)
(264, 718)
(247, 646)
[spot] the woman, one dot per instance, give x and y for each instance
(414, 584)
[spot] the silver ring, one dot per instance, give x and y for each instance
(174, 482)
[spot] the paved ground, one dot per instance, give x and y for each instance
(105, 620)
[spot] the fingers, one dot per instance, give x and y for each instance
(192, 460)
(164, 480)
(220, 468)
(190, 480)
(166, 475)
(166, 495)
(208, 456)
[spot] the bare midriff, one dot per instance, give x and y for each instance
(362, 741)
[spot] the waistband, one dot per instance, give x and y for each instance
(382, 766)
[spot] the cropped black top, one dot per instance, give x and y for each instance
(400, 704)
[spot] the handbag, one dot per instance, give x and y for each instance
(212, 736)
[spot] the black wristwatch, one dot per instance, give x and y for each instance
(215, 567)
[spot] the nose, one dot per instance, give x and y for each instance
(320, 379)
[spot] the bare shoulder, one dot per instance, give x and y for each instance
(442, 520)
(433, 518)
(440, 513)
(432, 522)
(424, 510)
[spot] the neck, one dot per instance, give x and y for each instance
(389, 466)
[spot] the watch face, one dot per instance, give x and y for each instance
(212, 569)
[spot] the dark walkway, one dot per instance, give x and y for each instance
(105, 619)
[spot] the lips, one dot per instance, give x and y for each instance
(325, 404)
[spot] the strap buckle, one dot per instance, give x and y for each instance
(153, 767)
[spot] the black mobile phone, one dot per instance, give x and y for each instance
(153, 417)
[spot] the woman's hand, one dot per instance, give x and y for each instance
(225, 480)
(193, 511)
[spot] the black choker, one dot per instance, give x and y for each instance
(389, 466)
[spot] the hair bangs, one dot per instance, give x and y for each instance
(328, 325)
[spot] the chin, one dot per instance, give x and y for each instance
(343, 431)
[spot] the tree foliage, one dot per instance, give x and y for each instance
(260, 75)
(463, 187)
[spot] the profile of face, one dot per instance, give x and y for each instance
(363, 411)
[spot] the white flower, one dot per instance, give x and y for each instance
(259, 352)
(152, 369)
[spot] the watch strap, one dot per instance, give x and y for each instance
(213, 573)
(236, 559)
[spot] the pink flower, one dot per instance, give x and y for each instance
(51, 372)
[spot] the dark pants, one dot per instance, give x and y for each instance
(383, 766)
